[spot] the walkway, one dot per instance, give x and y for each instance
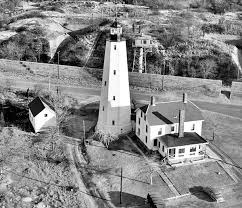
(88, 200)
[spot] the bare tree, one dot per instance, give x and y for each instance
(105, 138)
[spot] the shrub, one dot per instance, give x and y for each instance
(213, 28)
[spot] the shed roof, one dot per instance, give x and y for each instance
(37, 105)
(168, 112)
(190, 138)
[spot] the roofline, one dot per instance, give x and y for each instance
(147, 109)
(174, 101)
(175, 123)
(188, 145)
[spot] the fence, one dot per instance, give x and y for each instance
(208, 87)
(236, 92)
(73, 75)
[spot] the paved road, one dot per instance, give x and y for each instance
(231, 110)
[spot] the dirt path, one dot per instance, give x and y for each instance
(88, 200)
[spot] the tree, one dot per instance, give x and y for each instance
(208, 68)
(105, 138)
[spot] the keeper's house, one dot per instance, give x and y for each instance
(41, 114)
(173, 129)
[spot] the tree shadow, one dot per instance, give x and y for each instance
(200, 194)
(17, 115)
(128, 200)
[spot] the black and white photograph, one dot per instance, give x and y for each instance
(120, 103)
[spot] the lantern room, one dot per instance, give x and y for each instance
(115, 31)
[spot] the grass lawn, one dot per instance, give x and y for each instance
(228, 133)
(106, 167)
(203, 174)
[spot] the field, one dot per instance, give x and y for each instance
(227, 132)
(203, 174)
(105, 167)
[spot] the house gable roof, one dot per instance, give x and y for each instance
(190, 138)
(168, 112)
(36, 106)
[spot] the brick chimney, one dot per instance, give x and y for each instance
(184, 98)
(152, 100)
(181, 123)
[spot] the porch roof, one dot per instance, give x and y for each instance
(190, 138)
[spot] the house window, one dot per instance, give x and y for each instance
(141, 114)
(115, 47)
(105, 83)
(113, 97)
(172, 152)
(113, 122)
(144, 41)
(160, 132)
(172, 128)
(193, 127)
(181, 150)
(150, 41)
(192, 149)
(163, 148)
(103, 108)
(146, 139)
(146, 129)
(145, 117)
(155, 142)
(159, 144)
(46, 115)
(114, 72)
(138, 131)
(139, 120)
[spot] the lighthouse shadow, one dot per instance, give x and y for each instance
(123, 144)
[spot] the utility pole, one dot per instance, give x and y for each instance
(58, 68)
(121, 185)
(58, 53)
(84, 131)
(151, 179)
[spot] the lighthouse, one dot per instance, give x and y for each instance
(114, 110)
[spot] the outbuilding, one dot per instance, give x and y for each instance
(41, 114)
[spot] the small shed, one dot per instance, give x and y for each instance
(41, 114)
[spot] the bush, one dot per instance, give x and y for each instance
(213, 28)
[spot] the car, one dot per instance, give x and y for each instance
(214, 194)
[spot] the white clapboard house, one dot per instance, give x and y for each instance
(41, 114)
(173, 129)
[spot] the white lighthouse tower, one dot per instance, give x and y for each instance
(114, 109)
